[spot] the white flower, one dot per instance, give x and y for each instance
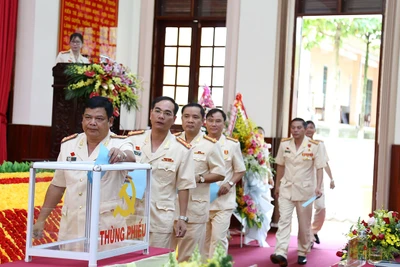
(371, 221)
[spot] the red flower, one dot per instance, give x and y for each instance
(116, 112)
(386, 220)
(339, 253)
(93, 94)
(371, 215)
(373, 237)
(364, 223)
(381, 236)
(354, 232)
(90, 73)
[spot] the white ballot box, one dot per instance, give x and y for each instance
(103, 212)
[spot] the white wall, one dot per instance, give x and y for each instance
(36, 50)
(128, 48)
(256, 59)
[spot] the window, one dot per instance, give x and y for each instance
(336, 7)
(368, 99)
(189, 50)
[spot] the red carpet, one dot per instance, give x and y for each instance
(323, 255)
(51, 262)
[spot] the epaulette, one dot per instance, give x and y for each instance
(131, 133)
(210, 138)
(232, 139)
(286, 139)
(118, 136)
(183, 142)
(72, 136)
(64, 52)
(177, 133)
(319, 141)
(315, 142)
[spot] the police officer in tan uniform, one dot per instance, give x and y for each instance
(73, 55)
(319, 204)
(297, 160)
(172, 170)
(221, 209)
(96, 121)
(209, 168)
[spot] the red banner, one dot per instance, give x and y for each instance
(96, 20)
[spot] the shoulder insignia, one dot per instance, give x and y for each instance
(210, 138)
(183, 142)
(64, 52)
(232, 139)
(118, 136)
(319, 141)
(72, 136)
(131, 133)
(315, 142)
(177, 133)
(286, 139)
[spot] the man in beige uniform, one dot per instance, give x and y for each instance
(297, 160)
(209, 168)
(172, 169)
(319, 204)
(96, 121)
(221, 209)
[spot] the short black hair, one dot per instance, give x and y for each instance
(74, 35)
(162, 98)
(300, 120)
(100, 102)
(202, 112)
(310, 122)
(259, 128)
(216, 110)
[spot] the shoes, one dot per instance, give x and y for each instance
(316, 238)
(301, 260)
(278, 259)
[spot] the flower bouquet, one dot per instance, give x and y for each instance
(109, 79)
(246, 208)
(253, 147)
(382, 230)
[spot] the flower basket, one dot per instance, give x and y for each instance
(382, 230)
(111, 80)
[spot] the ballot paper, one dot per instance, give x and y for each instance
(308, 202)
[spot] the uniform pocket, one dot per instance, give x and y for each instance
(199, 205)
(166, 172)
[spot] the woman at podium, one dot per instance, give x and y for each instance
(73, 55)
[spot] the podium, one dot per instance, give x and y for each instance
(91, 246)
(66, 114)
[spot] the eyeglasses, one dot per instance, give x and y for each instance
(89, 118)
(166, 113)
(76, 42)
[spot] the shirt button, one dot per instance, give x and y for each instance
(80, 194)
(80, 207)
(81, 179)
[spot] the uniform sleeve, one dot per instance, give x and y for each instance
(126, 144)
(59, 177)
(324, 150)
(185, 175)
(319, 160)
(237, 159)
(279, 157)
(216, 162)
(59, 58)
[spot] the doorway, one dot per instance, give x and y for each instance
(336, 78)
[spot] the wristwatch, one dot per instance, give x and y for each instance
(202, 180)
(231, 183)
(183, 218)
